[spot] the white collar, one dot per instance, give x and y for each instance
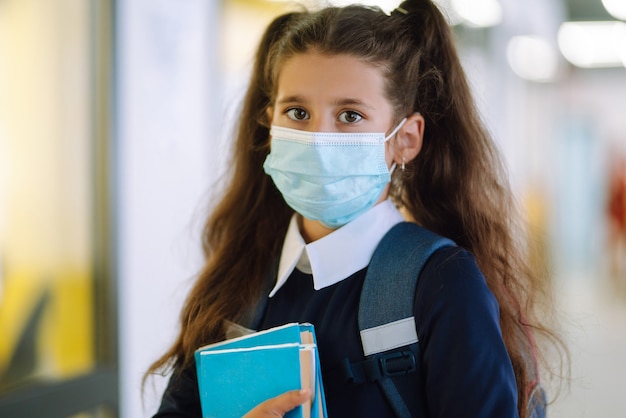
(339, 254)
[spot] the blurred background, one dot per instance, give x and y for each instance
(115, 122)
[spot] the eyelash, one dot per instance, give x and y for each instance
(291, 114)
(352, 113)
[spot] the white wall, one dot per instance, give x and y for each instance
(166, 51)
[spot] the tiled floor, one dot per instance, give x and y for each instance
(595, 328)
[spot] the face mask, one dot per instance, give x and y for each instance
(331, 177)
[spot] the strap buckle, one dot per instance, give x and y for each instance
(397, 364)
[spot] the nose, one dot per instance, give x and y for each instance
(321, 123)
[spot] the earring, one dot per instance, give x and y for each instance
(402, 163)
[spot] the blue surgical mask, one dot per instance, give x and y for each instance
(331, 177)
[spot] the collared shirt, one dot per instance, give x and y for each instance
(341, 253)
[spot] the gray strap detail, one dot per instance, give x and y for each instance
(389, 336)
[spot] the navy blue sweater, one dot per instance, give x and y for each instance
(465, 369)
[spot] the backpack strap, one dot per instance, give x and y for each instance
(386, 306)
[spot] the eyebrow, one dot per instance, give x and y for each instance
(339, 102)
(349, 101)
(291, 99)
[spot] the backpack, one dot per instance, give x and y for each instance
(386, 322)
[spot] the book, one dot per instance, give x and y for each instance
(236, 375)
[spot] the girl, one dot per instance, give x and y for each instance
(353, 121)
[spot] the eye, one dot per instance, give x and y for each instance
(297, 113)
(350, 116)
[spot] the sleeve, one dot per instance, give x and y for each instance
(181, 398)
(467, 369)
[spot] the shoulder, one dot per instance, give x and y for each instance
(452, 268)
(451, 285)
(458, 325)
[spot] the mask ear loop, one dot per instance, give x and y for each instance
(395, 131)
(394, 165)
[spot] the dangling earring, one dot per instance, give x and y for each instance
(402, 163)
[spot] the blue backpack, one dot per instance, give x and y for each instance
(386, 322)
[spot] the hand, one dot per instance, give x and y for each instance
(280, 405)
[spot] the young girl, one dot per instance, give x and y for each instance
(355, 120)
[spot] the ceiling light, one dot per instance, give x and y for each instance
(479, 13)
(532, 58)
(593, 44)
(616, 8)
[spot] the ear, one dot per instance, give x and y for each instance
(408, 142)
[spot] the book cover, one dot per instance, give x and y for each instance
(236, 375)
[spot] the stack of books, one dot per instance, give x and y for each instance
(236, 375)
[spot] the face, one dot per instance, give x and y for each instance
(339, 93)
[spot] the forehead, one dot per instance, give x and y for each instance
(312, 74)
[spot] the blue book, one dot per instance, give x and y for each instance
(236, 375)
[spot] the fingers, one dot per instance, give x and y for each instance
(288, 401)
(280, 405)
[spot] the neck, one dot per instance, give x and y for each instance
(312, 230)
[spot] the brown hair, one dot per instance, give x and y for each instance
(456, 186)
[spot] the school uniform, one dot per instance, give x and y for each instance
(465, 369)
